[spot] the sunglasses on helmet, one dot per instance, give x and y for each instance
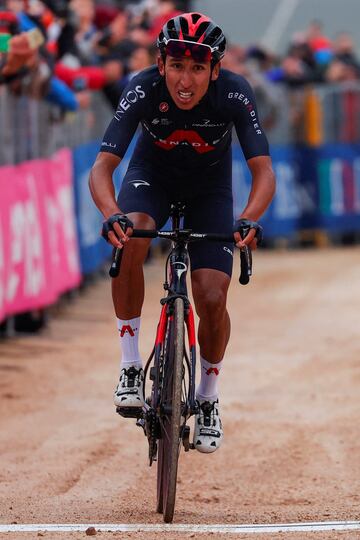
(183, 49)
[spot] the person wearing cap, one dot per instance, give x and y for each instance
(187, 106)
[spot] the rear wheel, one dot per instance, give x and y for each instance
(169, 443)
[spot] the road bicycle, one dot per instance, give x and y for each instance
(170, 368)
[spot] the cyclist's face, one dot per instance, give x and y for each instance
(187, 80)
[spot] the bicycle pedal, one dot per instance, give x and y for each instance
(129, 412)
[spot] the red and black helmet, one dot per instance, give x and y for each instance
(195, 28)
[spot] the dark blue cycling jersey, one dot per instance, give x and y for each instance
(185, 139)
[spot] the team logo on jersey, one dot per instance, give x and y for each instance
(163, 107)
(206, 123)
(137, 183)
(225, 248)
(108, 144)
(182, 137)
(250, 108)
(161, 121)
(132, 96)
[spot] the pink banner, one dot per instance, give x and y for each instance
(38, 242)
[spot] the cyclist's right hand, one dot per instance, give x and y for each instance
(117, 229)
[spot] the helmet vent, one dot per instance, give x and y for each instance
(195, 17)
(202, 28)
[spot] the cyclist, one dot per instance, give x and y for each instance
(187, 107)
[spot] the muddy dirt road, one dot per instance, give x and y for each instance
(290, 401)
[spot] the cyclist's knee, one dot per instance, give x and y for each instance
(136, 249)
(210, 296)
(141, 220)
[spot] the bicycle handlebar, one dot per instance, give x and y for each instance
(187, 235)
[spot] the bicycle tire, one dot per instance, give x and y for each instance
(169, 444)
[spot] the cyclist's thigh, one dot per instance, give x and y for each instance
(140, 192)
(212, 212)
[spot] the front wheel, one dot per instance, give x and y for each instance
(169, 443)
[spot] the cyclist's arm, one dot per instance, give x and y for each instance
(261, 194)
(255, 147)
(103, 192)
(131, 108)
(262, 188)
(113, 147)
(117, 137)
(101, 183)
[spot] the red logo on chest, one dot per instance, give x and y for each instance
(185, 137)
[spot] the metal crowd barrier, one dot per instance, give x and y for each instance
(34, 129)
(311, 115)
(314, 134)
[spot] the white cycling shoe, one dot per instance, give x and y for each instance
(208, 432)
(129, 393)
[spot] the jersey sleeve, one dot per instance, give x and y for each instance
(241, 99)
(129, 112)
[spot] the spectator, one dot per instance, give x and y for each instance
(86, 31)
(166, 10)
(343, 70)
(315, 37)
(21, 55)
(141, 58)
(234, 60)
(345, 65)
(344, 48)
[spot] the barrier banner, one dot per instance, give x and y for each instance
(338, 175)
(93, 249)
(38, 245)
(316, 188)
(282, 217)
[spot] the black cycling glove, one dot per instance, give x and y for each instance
(244, 225)
(108, 225)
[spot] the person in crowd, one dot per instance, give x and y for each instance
(316, 38)
(345, 65)
(141, 58)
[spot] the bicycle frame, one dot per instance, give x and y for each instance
(178, 264)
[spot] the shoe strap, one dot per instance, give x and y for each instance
(207, 432)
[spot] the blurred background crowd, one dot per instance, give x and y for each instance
(82, 46)
(63, 66)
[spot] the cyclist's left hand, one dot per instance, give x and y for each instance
(247, 233)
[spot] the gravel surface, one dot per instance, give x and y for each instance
(289, 400)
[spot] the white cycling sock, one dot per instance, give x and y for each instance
(208, 387)
(129, 342)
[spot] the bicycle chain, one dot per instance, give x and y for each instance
(152, 436)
